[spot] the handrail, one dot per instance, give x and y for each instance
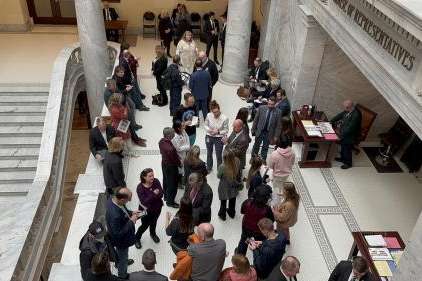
(31, 233)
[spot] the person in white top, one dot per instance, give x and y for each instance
(216, 127)
(187, 50)
(181, 142)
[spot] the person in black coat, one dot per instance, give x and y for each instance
(211, 67)
(258, 72)
(100, 269)
(211, 30)
(222, 36)
(121, 227)
(113, 166)
(158, 67)
(347, 124)
(176, 85)
(200, 194)
(165, 28)
(110, 14)
(99, 137)
(94, 241)
(358, 269)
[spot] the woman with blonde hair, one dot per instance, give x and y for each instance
(187, 50)
(229, 173)
(240, 271)
(285, 213)
(194, 164)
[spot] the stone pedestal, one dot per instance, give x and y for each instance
(410, 263)
(93, 42)
(236, 52)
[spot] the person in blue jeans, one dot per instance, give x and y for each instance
(216, 127)
(266, 127)
(200, 85)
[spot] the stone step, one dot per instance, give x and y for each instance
(20, 98)
(6, 140)
(19, 153)
(26, 93)
(15, 130)
(17, 177)
(14, 189)
(22, 108)
(21, 165)
(22, 120)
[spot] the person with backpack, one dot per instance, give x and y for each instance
(172, 80)
(158, 67)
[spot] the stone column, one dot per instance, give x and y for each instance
(410, 268)
(310, 47)
(93, 42)
(236, 52)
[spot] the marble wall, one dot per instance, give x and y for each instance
(313, 68)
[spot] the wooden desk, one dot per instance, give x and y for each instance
(360, 245)
(301, 136)
(119, 25)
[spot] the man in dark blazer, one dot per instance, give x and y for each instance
(99, 137)
(200, 85)
(211, 67)
(113, 166)
(149, 261)
(347, 124)
(266, 127)
(238, 142)
(222, 36)
(110, 14)
(356, 270)
(121, 228)
(258, 72)
(211, 30)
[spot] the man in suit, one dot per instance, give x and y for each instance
(347, 124)
(238, 142)
(283, 103)
(258, 72)
(223, 36)
(99, 137)
(148, 274)
(200, 85)
(290, 267)
(211, 67)
(211, 30)
(170, 163)
(110, 14)
(356, 270)
(207, 256)
(266, 127)
(121, 228)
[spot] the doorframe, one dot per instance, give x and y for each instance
(55, 19)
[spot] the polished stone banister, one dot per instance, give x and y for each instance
(29, 236)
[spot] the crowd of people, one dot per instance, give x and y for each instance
(272, 203)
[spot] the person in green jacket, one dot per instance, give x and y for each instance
(347, 124)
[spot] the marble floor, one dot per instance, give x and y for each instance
(334, 201)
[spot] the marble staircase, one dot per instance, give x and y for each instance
(22, 113)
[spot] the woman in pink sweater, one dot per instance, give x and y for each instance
(281, 162)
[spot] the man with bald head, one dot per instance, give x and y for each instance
(207, 256)
(290, 266)
(238, 141)
(347, 124)
(211, 67)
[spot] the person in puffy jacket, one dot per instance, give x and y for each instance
(281, 162)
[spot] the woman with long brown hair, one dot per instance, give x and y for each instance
(254, 178)
(229, 173)
(181, 226)
(285, 213)
(194, 164)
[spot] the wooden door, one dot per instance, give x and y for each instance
(52, 11)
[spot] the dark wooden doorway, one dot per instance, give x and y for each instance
(52, 11)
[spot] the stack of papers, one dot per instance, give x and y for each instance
(326, 128)
(123, 126)
(311, 129)
(382, 254)
(383, 268)
(375, 240)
